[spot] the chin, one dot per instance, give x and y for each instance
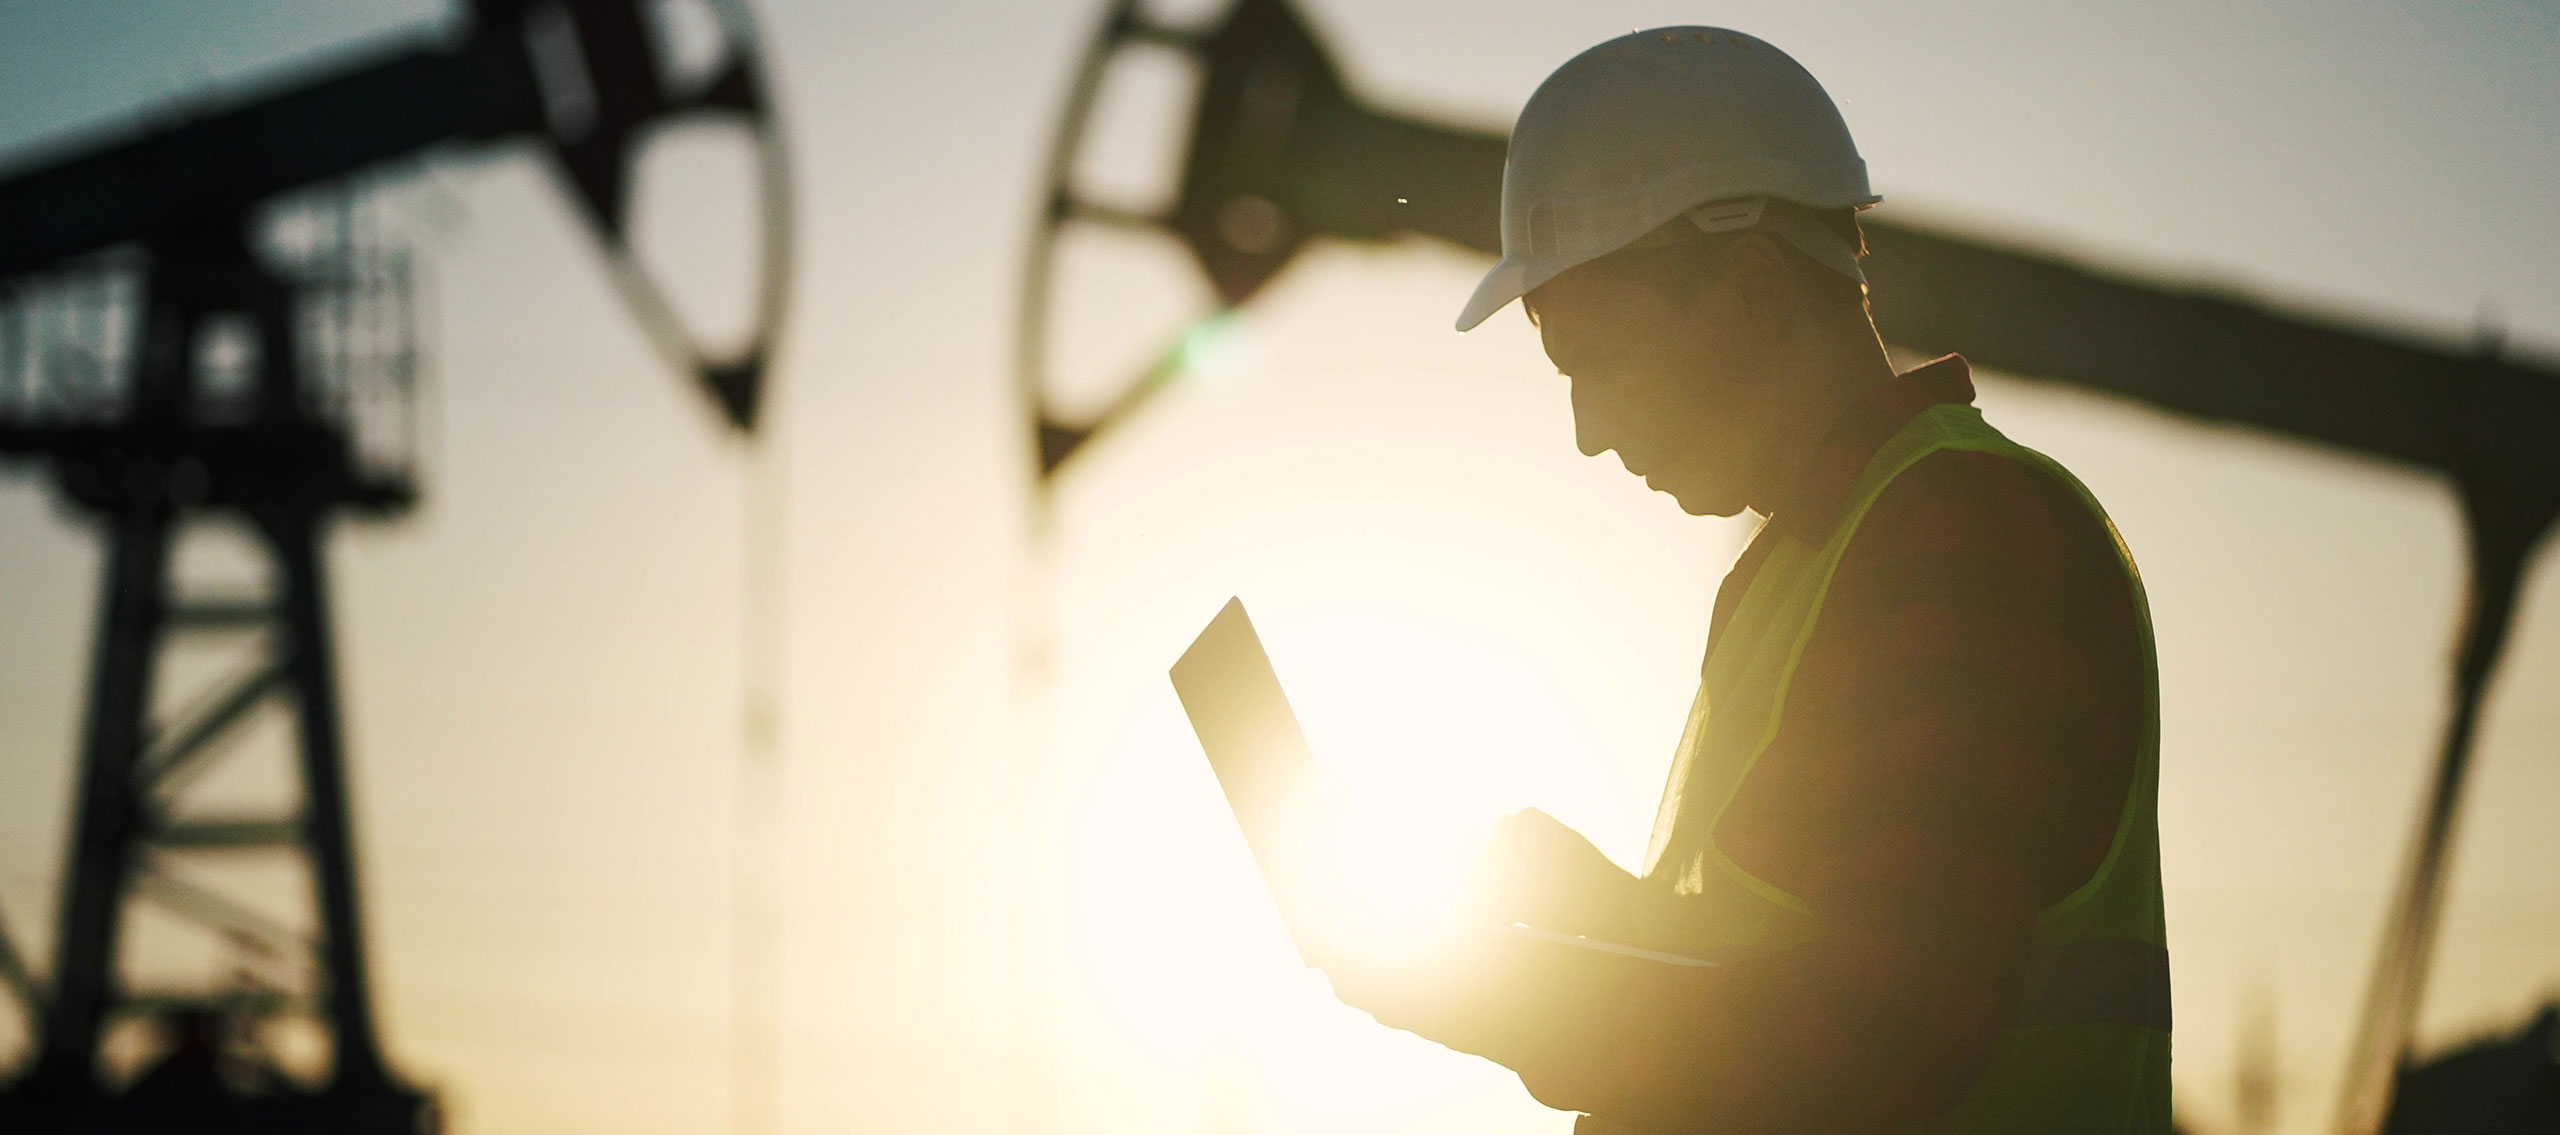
(1695, 505)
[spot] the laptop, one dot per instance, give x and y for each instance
(1237, 709)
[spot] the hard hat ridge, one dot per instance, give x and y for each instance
(1645, 127)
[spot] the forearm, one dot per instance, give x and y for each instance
(1566, 1018)
(1889, 1013)
(1846, 1032)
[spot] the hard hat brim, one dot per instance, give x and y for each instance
(1510, 279)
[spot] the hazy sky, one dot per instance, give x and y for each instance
(1012, 902)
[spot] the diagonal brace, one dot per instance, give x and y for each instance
(193, 901)
(165, 766)
(18, 982)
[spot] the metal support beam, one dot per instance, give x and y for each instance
(2505, 528)
(229, 835)
(377, 110)
(221, 615)
(19, 983)
(102, 848)
(2219, 356)
(294, 536)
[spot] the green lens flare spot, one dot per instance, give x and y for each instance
(1213, 349)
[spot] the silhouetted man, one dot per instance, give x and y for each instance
(1912, 815)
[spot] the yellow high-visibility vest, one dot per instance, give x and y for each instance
(2086, 1049)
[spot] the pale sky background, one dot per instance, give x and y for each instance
(1012, 900)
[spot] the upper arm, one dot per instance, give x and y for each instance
(1976, 679)
(1955, 750)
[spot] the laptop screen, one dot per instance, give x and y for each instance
(1236, 706)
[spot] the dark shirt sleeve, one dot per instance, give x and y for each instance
(1954, 757)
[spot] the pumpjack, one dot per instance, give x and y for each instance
(171, 361)
(1282, 152)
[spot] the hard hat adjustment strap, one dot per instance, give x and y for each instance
(1794, 226)
(1726, 216)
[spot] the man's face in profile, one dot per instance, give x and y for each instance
(1665, 380)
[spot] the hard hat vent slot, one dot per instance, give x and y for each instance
(1726, 216)
(1542, 229)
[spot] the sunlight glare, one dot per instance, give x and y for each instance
(1427, 736)
(1424, 736)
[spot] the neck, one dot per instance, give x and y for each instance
(1830, 370)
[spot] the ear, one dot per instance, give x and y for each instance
(1771, 296)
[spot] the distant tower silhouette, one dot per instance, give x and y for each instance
(173, 360)
(202, 384)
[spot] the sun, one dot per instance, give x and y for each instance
(1424, 735)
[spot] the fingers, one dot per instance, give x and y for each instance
(1528, 824)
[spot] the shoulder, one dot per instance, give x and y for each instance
(1989, 564)
(2016, 518)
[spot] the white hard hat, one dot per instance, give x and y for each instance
(1652, 125)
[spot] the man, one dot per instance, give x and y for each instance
(1912, 814)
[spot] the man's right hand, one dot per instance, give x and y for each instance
(1538, 871)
